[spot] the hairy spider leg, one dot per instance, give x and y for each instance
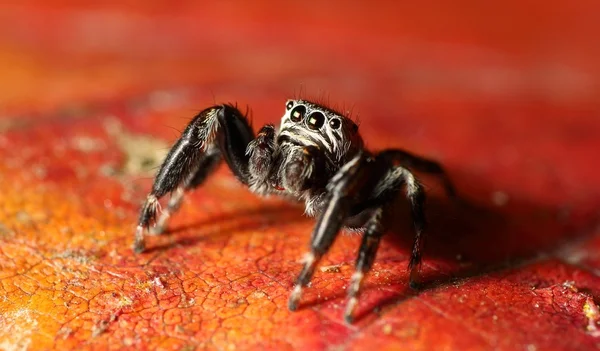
(388, 181)
(383, 195)
(366, 255)
(223, 126)
(260, 151)
(207, 163)
(343, 189)
(420, 164)
(416, 196)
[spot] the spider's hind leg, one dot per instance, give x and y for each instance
(416, 197)
(190, 160)
(380, 200)
(421, 164)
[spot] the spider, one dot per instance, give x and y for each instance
(317, 157)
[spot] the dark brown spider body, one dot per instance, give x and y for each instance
(316, 157)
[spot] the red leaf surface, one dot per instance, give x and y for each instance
(506, 98)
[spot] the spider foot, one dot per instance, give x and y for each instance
(353, 290)
(414, 281)
(310, 263)
(139, 244)
(349, 312)
(147, 216)
(295, 297)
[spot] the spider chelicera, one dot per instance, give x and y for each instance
(317, 156)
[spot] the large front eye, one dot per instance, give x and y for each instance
(298, 113)
(315, 120)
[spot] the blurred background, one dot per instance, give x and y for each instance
(541, 52)
(506, 95)
(476, 85)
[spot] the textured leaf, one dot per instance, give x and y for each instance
(93, 97)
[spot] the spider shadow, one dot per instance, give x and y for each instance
(245, 220)
(473, 237)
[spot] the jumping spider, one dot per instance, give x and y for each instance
(317, 156)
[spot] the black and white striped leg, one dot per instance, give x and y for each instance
(416, 196)
(344, 186)
(366, 255)
(324, 235)
(421, 164)
(172, 207)
(206, 167)
(223, 126)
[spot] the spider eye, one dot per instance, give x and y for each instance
(335, 123)
(289, 105)
(298, 113)
(315, 120)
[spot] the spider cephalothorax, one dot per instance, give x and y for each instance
(317, 157)
(306, 123)
(312, 143)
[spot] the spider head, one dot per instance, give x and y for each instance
(307, 123)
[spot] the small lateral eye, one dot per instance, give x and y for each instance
(315, 120)
(335, 123)
(289, 105)
(298, 113)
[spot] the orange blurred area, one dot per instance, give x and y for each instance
(505, 95)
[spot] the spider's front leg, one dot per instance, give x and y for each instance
(364, 184)
(217, 132)
(350, 185)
